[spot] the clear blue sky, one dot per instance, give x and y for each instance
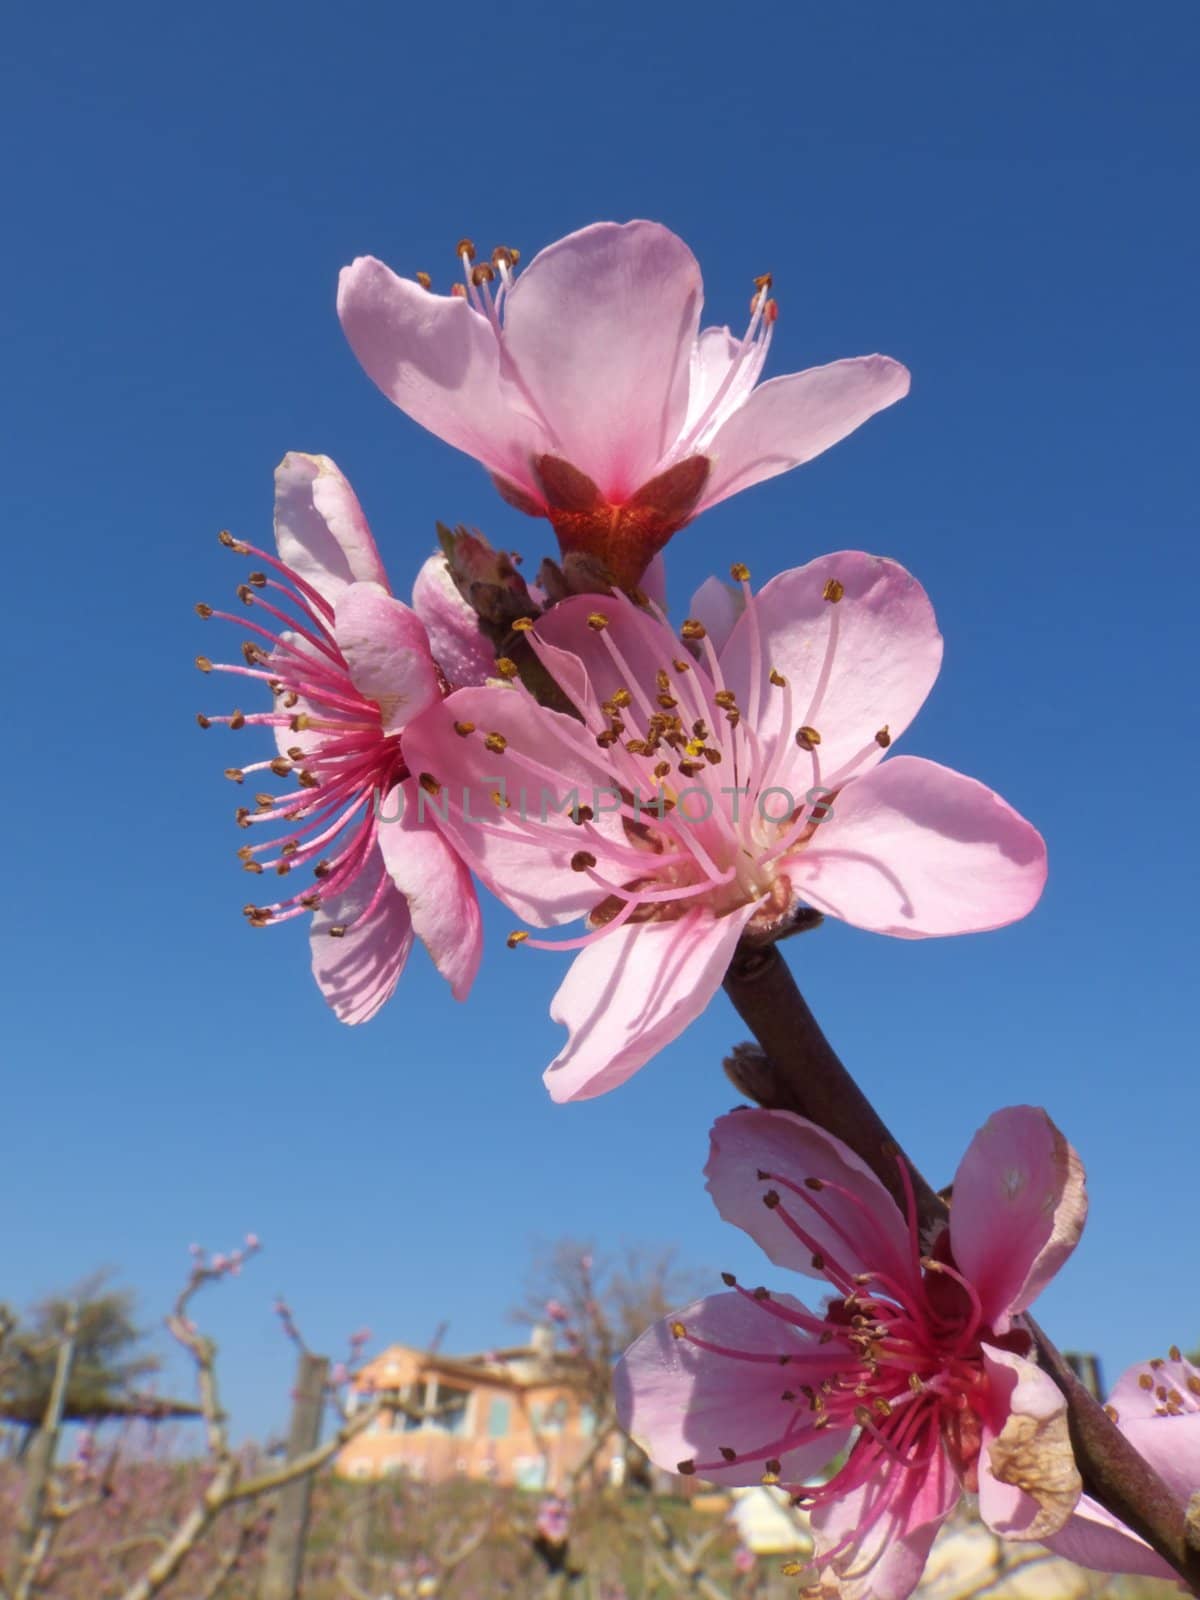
(1002, 196)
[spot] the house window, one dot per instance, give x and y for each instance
(498, 1418)
(587, 1421)
(449, 1407)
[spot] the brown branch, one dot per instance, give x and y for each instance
(798, 1070)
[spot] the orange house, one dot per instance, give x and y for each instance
(513, 1416)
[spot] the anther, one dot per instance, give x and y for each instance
(778, 679)
(597, 621)
(518, 936)
(1145, 1381)
(582, 861)
(496, 743)
(264, 801)
(726, 1454)
(807, 738)
(252, 654)
(502, 256)
(507, 667)
(235, 774)
(203, 610)
(252, 866)
(458, 291)
(465, 247)
(237, 720)
(306, 780)
(205, 722)
(204, 664)
(678, 1331)
(430, 784)
(740, 572)
(522, 625)
(883, 738)
(230, 543)
(337, 930)
(818, 1263)
(242, 816)
(813, 1183)
(462, 729)
(685, 1468)
(771, 1199)
(771, 312)
(691, 629)
(833, 590)
(483, 273)
(1174, 1354)
(423, 279)
(681, 665)
(281, 767)
(728, 1279)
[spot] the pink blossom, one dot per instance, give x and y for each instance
(1156, 1405)
(349, 666)
(918, 1365)
(554, 1520)
(556, 1311)
(588, 390)
(699, 795)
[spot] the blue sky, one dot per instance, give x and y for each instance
(1003, 197)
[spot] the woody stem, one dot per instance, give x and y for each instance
(796, 1069)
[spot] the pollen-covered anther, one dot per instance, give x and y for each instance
(238, 546)
(814, 1183)
(582, 861)
(1145, 1381)
(253, 655)
(691, 629)
(337, 930)
(458, 291)
(778, 679)
(423, 279)
(833, 591)
(235, 774)
(771, 1199)
(728, 1279)
(496, 743)
(1174, 1353)
(307, 780)
(281, 767)
(678, 1331)
(740, 572)
(523, 625)
(807, 738)
(252, 866)
(465, 247)
(202, 720)
(430, 784)
(506, 667)
(597, 621)
(484, 272)
(518, 936)
(462, 729)
(883, 738)
(204, 664)
(1112, 1414)
(685, 1468)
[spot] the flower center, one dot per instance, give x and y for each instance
(330, 740)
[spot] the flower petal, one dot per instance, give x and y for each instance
(358, 972)
(789, 420)
(1093, 1537)
(386, 648)
(460, 647)
(600, 327)
(858, 668)
(1020, 1203)
(542, 763)
(437, 359)
(862, 1230)
(633, 992)
(1028, 1481)
(1135, 1395)
(437, 886)
(888, 1526)
(320, 529)
(626, 653)
(919, 851)
(717, 606)
(683, 1404)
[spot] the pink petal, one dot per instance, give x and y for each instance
(1135, 1395)
(359, 971)
(1030, 1438)
(682, 1403)
(1020, 1203)
(718, 606)
(1169, 1442)
(459, 645)
(439, 361)
(865, 1231)
(386, 648)
(888, 1547)
(918, 851)
(789, 420)
(528, 867)
(633, 992)
(855, 666)
(632, 640)
(320, 529)
(437, 886)
(600, 327)
(1093, 1537)
(713, 354)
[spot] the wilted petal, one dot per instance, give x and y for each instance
(1028, 1481)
